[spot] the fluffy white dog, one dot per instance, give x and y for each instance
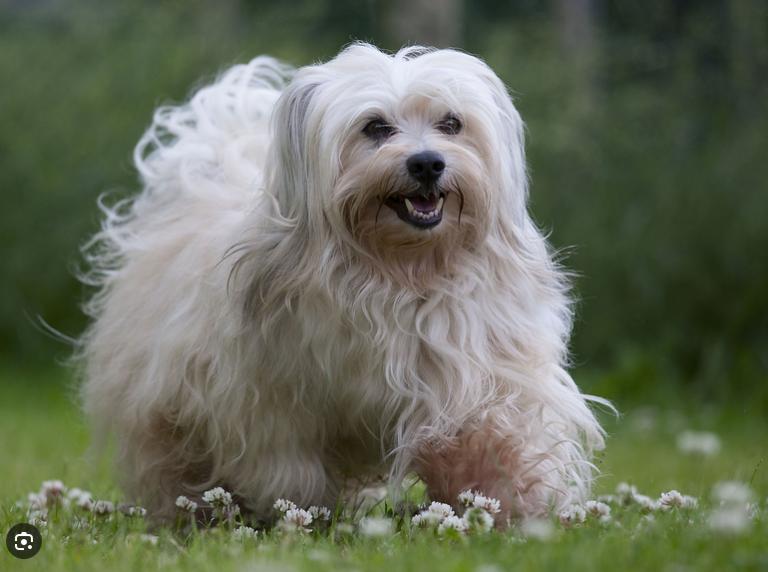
(330, 278)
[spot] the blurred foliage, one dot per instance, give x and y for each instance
(647, 152)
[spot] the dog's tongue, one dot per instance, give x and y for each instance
(424, 204)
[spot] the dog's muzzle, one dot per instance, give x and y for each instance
(422, 208)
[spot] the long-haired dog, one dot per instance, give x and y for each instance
(331, 277)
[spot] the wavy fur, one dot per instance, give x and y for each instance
(264, 324)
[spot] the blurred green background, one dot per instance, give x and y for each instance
(647, 141)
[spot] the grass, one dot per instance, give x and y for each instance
(43, 437)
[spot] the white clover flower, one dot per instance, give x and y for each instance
(52, 490)
(217, 497)
(574, 515)
(38, 513)
(689, 502)
(231, 511)
(607, 499)
(35, 501)
(283, 506)
(730, 521)
(427, 519)
(319, 512)
(466, 498)
(646, 503)
(186, 505)
(488, 504)
(444, 510)
(736, 508)
(478, 521)
(82, 500)
(103, 508)
(672, 498)
(75, 493)
(298, 519)
(623, 489)
(80, 523)
(452, 523)
(244, 532)
(753, 511)
(40, 521)
(596, 508)
(625, 493)
(732, 492)
(698, 443)
(137, 511)
(375, 527)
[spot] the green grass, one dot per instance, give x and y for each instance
(43, 437)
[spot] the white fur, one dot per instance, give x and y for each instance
(258, 328)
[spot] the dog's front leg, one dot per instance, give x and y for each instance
(514, 469)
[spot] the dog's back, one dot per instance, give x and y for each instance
(201, 165)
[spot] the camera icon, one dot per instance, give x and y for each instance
(24, 541)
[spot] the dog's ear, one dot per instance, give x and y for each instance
(512, 135)
(290, 173)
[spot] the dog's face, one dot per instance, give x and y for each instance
(410, 159)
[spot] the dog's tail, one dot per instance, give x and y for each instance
(210, 148)
(219, 124)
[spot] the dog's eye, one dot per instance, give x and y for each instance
(450, 125)
(379, 130)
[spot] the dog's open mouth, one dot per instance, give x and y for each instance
(420, 211)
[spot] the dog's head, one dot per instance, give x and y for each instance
(410, 159)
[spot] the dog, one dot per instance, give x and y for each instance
(331, 279)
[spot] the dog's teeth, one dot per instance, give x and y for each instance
(409, 206)
(439, 205)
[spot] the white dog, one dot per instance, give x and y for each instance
(330, 278)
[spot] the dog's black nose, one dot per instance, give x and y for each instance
(426, 167)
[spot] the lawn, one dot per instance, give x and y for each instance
(42, 437)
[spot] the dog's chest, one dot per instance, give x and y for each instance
(370, 358)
